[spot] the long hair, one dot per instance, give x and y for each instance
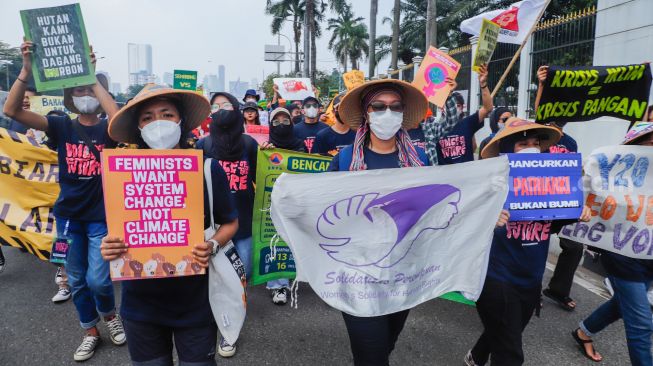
(408, 156)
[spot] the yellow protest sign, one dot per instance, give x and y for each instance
(28, 182)
(353, 79)
(487, 42)
(44, 104)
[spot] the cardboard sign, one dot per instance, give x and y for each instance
(294, 88)
(587, 92)
(545, 187)
(61, 54)
(154, 201)
(620, 195)
(44, 104)
(487, 42)
(270, 164)
(260, 133)
(186, 80)
(432, 73)
(353, 79)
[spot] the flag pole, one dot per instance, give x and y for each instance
(516, 56)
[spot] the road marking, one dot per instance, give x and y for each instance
(582, 279)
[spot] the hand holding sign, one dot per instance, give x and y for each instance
(436, 76)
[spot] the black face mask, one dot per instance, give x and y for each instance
(296, 119)
(225, 118)
(282, 131)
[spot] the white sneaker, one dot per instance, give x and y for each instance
(116, 331)
(86, 350)
(469, 360)
(279, 296)
(225, 349)
(60, 278)
(62, 295)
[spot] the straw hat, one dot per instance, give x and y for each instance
(122, 126)
(68, 95)
(549, 135)
(638, 130)
(351, 111)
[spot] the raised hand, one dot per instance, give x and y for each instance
(26, 50)
(541, 73)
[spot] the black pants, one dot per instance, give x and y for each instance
(505, 310)
(152, 344)
(372, 339)
(563, 276)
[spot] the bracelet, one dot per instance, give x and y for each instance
(483, 86)
(21, 80)
(214, 246)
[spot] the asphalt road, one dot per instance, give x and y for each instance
(34, 331)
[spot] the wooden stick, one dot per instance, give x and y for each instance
(516, 56)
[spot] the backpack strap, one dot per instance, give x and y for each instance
(209, 188)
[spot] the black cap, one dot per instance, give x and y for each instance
(250, 105)
(311, 99)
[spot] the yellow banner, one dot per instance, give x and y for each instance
(353, 79)
(43, 104)
(29, 187)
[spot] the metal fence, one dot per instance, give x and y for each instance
(464, 56)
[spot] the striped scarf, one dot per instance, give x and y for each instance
(408, 156)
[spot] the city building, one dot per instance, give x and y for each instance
(221, 79)
(238, 88)
(115, 88)
(210, 82)
(168, 79)
(140, 64)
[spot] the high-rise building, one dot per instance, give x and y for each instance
(221, 80)
(168, 78)
(140, 63)
(210, 83)
(238, 88)
(115, 88)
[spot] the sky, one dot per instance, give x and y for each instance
(188, 35)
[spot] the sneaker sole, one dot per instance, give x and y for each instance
(117, 343)
(84, 358)
(224, 354)
(60, 301)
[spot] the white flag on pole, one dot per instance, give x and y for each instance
(516, 21)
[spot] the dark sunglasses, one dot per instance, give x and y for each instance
(278, 122)
(309, 105)
(380, 106)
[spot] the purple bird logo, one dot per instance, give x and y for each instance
(374, 230)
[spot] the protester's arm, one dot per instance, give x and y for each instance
(541, 77)
(107, 103)
(486, 96)
(504, 217)
(275, 98)
(14, 104)
(434, 131)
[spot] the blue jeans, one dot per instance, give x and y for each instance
(88, 273)
(244, 249)
(631, 304)
(277, 284)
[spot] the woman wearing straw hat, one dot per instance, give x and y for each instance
(382, 111)
(511, 292)
(630, 279)
(156, 311)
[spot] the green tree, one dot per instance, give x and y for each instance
(349, 38)
(133, 90)
(11, 54)
(287, 10)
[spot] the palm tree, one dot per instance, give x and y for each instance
(283, 10)
(396, 11)
(374, 9)
(349, 38)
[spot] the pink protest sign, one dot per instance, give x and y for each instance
(432, 74)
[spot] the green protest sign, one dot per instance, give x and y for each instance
(61, 54)
(487, 42)
(185, 80)
(270, 164)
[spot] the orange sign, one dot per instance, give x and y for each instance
(432, 74)
(259, 133)
(154, 200)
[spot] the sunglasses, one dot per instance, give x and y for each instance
(309, 105)
(380, 106)
(278, 122)
(216, 107)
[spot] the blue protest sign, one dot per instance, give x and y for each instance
(545, 187)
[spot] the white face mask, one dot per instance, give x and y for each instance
(161, 134)
(385, 124)
(86, 104)
(253, 100)
(529, 150)
(311, 112)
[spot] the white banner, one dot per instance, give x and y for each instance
(619, 189)
(516, 22)
(380, 241)
(294, 88)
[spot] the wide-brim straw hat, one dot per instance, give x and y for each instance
(68, 95)
(123, 126)
(639, 129)
(549, 135)
(415, 103)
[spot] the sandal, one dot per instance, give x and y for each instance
(564, 302)
(582, 343)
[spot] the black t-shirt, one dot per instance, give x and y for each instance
(456, 146)
(417, 137)
(180, 301)
(80, 179)
(307, 132)
(372, 159)
(241, 176)
(330, 142)
(626, 268)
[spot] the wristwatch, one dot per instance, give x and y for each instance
(214, 246)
